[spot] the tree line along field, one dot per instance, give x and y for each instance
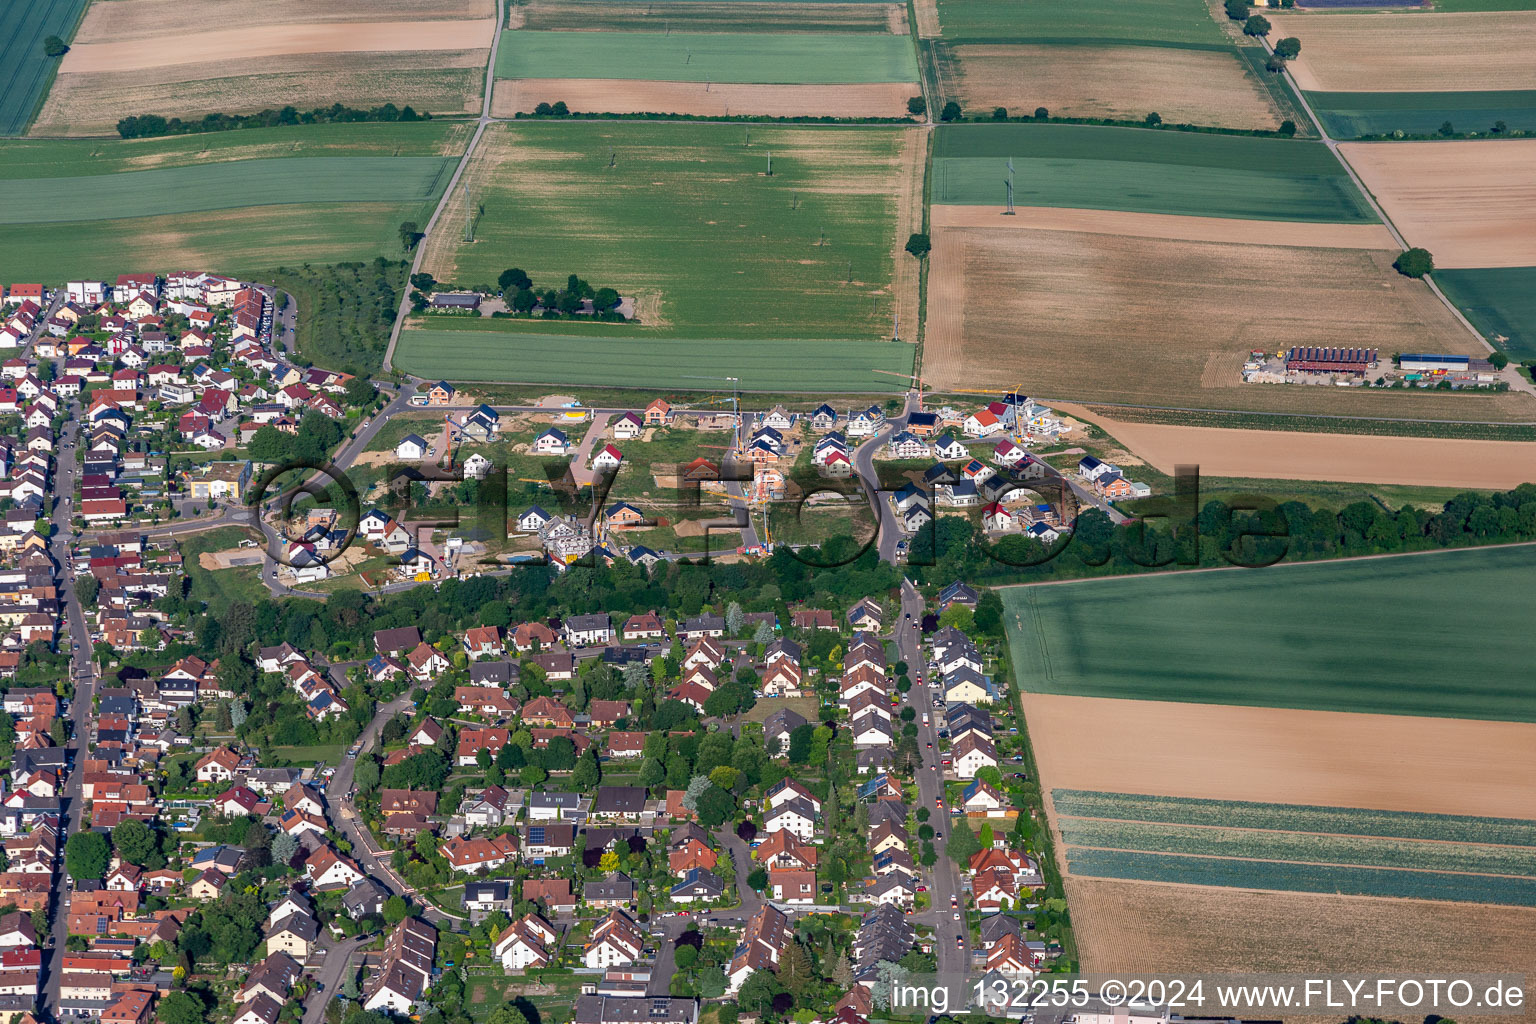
(25, 70)
(740, 57)
(1500, 302)
(684, 218)
(1349, 115)
(335, 192)
(784, 364)
(1386, 635)
(135, 57)
(1200, 85)
(1144, 170)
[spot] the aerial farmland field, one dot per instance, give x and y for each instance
(1470, 203)
(1291, 637)
(249, 199)
(1126, 314)
(1095, 59)
(25, 70)
(684, 218)
(1500, 302)
(783, 364)
(1144, 170)
(429, 54)
(850, 61)
(1348, 115)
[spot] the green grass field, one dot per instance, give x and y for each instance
(1245, 814)
(1348, 115)
(1180, 22)
(1500, 302)
(25, 70)
(804, 365)
(1149, 171)
(1288, 877)
(196, 200)
(1437, 635)
(684, 218)
(224, 186)
(1462, 6)
(755, 58)
(1298, 847)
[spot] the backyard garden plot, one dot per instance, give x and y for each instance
(1125, 82)
(1436, 52)
(1471, 204)
(784, 364)
(1133, 319)
(125, 62)
(1146, 171)
(1500, 302)
(1328, 636)
(25, 69)
(685, 218)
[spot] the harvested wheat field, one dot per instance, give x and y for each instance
(270, 40)
(1167, 226)
(631, 96)
(1357, 458)
(109, 21)
(1285, 755)
(1204, 87)
(430, 55)
(1394, 53)
(1149, 321)
(441, 82)
(1170, 929)
(1471, 204)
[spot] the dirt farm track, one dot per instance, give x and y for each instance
(1355, 458)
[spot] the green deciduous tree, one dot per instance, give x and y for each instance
(919, 245)
(1414, 262)
(86, 855)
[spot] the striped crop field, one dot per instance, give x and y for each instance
(1285, 877)
(1348, 115)
(740, 57)
(1500, 302)
(1300, 848)
(25, 70)
(238, 201)
(1297, 637)
(782, 364)
(224, 186)
(1148, 171)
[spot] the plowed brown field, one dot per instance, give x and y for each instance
(1093, 316)
(1172, 930)
(1424, 53)
(1285, 755)
(1356, 458)
(1204, 87)
(1470, 203)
